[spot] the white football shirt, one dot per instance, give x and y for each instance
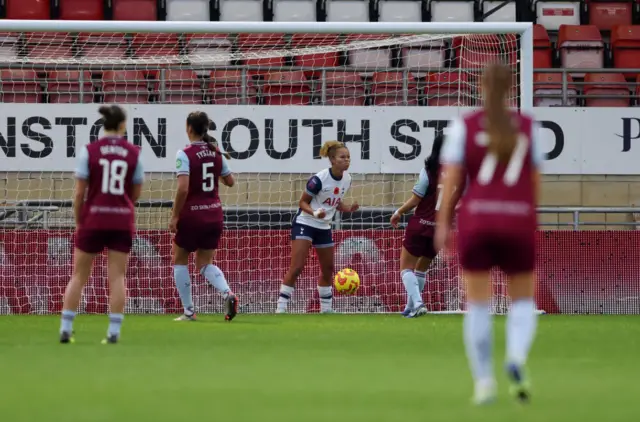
(327, 193)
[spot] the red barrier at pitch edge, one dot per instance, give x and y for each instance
(578, 272)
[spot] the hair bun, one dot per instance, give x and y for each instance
(105, 111)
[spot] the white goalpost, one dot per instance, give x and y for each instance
(275, 91)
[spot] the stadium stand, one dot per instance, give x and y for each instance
(592, 34)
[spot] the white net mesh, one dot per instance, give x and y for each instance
(273, 99)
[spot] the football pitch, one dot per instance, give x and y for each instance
(307, 368)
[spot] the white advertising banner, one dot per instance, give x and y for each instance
(287, 139)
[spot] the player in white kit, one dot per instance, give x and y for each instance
(312, 224)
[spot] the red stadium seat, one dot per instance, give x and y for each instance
(256, 45)
(605, 14)
(181, 87)
(368, 59)
(316, 59)
(541, 48)
(135, 10)
(125, 86)
(82, 10)
(286, 88)
(581, 46)
(448, 89)
(342, 88)
(226, 87)
(546, 85)
(613, 85)
(625, 46)
(49, 45)
(388, 89)
(20, 86)
(70, 86)
(157, 48)
(28, 9)
(476, 51)
(101, 46)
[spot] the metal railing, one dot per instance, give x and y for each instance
(412, 78)
(579, 84)
(57, 214)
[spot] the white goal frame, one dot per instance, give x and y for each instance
(453, 29)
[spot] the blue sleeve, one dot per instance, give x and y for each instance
(226, 170)
(82, 169)
(453, 149)
(421, 186)
(537, 154)
(182, 163)
(138, 175)
(314, 186)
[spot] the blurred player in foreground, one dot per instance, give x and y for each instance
(197, 218)
(417, 246)
(312, 224)
(109, 179)
(500, 151)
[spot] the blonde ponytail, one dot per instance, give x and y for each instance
(502, 133)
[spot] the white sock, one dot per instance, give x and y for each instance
(115, 323)
(422, 279)
(183, 284)
(285, 296)
(66, 322)
(411, 286)
(215, 277)
(478, 340)
(326, 298)
(521, 330)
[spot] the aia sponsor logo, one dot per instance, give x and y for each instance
(332, 202)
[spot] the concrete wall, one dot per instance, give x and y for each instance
(370, 190)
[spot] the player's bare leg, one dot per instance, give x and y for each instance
(82, 265)
(478, 335)
(183, 282)
(521, 329)
(215, 277)
(117, 268)
(299, 252)
(325, 290)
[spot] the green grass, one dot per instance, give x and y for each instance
(321, 368)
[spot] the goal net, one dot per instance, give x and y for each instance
(275, 93)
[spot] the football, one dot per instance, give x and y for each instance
(347, 281)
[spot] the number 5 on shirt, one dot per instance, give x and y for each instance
(208, 176)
